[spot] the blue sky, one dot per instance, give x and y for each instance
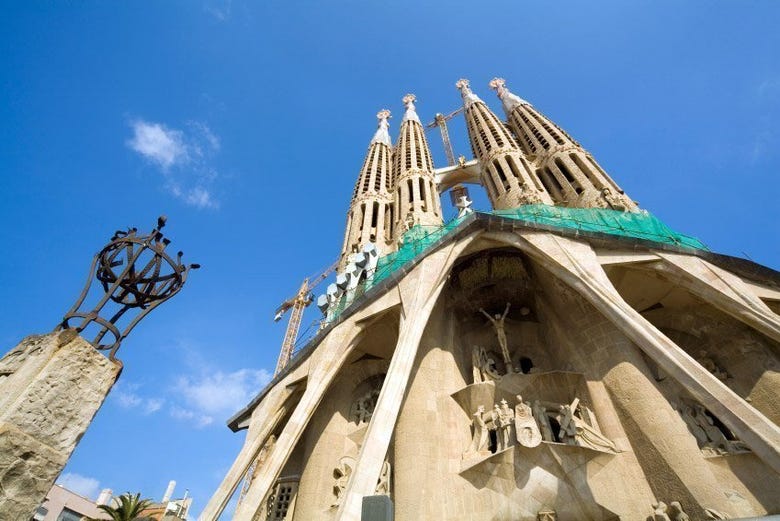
(246, 124)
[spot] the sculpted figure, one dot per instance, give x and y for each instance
(540, 415)
(575, 431)
(526, 429)
(483, 367)
(547, 514)
(693, 425)
(506, 418)
(612, 200)
(659, 512)
(716, 437)
(498, 325)
(383, 485)
(479, 440)
(341, 476)
(677, 512)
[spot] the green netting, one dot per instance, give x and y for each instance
(639, 225)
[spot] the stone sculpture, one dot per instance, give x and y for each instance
(547, 514)
(526, 428)
(540, 415)
(341, 476)
(480, 438)
(659, 512)
(710, 438)
(498, 325)
(483, 366)
(383, 484)
(363, 407)
(575, 431)
(677, 512)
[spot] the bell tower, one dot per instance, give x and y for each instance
(415, 196)
(370, 216)
(506, 174)
(568, 171)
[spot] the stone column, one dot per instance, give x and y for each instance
(264, 421)
(576, 264)
(720, 288)
(51, 386)
(326, 362)
(419, 292)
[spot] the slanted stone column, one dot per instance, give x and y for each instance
(419, 293)
(51, 386)
(576, 264)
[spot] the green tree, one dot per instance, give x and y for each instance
(126, 507)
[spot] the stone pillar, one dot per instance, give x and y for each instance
(419, 293)
(263, 422)
(330, 356)
(51, 386)
(723, 290)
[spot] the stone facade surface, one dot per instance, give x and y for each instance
(51, 386)
(648, 398)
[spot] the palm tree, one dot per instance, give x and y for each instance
(126, 507)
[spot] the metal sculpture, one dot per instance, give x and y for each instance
(148, 277)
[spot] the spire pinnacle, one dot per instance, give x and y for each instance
(411, 113)
(382, 135)
(465, 91)
(508, 99)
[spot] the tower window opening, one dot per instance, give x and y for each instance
(417, 147)
(547, 183)
(423, 199)
(494, 132)
(362, 215)
(374, 214)
(568, 175)
(535, 131)
(380, 170)
(410, 187)
(513, 167)
(586, 170)
(554, 180)
(501, 174)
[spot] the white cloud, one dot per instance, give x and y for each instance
(158, 143)
(219, 9)
(182, 156)
(217, 394)
(199, 420)
(83, 485)
(127, 398)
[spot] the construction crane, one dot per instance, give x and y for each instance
(297, 303)
(441, 122)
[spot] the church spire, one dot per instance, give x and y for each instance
(506, 174)
(370, 216)
(568, 171)
(416, 198)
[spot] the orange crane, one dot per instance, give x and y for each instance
(297, 303)
(441, 122)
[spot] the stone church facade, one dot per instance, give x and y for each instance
(514, 368)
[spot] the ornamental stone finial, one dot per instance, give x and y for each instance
(462, 84)
(411, 112)
(499, 85)
(382, 135)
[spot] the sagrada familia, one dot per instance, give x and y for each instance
(564, 356)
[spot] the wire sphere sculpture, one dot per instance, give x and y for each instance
(135, 273)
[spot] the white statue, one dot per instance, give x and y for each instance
(483, 367)
(526, 430)
(659, 512)
(677, 512)
(383, 485)
(498, 325)
(540, 415)
(506, 418)
(480, 438)
(575, 431)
